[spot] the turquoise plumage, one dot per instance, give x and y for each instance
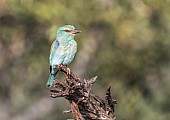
(63, 50)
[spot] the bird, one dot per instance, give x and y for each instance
(63, 50)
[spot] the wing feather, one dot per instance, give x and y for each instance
(54, 47)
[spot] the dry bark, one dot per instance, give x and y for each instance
(84, 105)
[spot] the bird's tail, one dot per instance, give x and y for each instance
(51, 78)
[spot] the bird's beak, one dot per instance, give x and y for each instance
(75, 31)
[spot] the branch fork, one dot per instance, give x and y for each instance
(84, 105)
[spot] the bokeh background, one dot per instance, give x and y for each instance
(126, 43)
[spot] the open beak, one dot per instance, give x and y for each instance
(75, 31)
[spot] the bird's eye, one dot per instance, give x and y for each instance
(67, 30)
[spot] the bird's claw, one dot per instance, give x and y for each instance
(60, 66)
(68, 71)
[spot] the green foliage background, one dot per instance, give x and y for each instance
(124, 42)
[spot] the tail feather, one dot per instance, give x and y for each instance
(51, 79)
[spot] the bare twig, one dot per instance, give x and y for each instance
(84, 105)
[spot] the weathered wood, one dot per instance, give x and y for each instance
(84, 105)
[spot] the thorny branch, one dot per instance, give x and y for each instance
(84, 105)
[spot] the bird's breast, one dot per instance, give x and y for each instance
(69, 46)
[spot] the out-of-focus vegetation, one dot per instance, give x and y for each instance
(126, 43)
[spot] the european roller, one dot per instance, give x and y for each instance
(63, 50)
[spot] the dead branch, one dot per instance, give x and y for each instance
(84, 105)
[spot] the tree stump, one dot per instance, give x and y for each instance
(84, 105)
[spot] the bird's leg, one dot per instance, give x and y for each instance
(60, 65)
(68, 70)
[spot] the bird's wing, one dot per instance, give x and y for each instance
(54, 47)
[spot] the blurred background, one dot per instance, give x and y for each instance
(124, 42)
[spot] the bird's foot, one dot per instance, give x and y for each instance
(60, 66)
(68, 71)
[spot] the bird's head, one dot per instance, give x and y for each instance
(67, 31)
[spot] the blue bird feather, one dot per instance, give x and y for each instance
(63, 50)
